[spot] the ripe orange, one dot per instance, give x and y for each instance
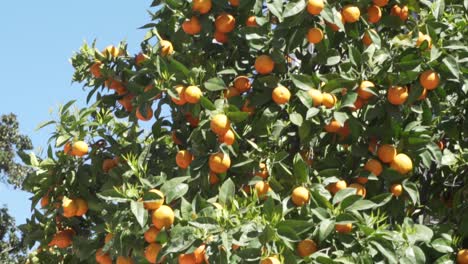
(360, 190)
(429, 79)
(316, 96)
(380, 3)
(141, 58)
(199, 253)
(242, 84)
(366, 39)
(361, 180)
(281, 95)
(116, 85)
(61, 239)
(234, 3)
(247, 108)
(344, 228)
(225, 23)
(262, 188)
(220, 124)
(201, 6)
(163, 217)
(462, 256)
(263, 172)
(351, 13)
(108, 238)
(373, 166)
(45, 200)
(166, 48)
(193, 121)
(102, 257)
(333, 126)
(67, 148)
(153, 205)
(372, 145)
(362, 92)
(191, 26)
(95, 69)
(329, 100)
(151, 234)
(337, 186)
(314, 7)
(251, 22)
(219, 162)
(300, 196)
(79, 149)
(397, 95)
(111, 51)
(82, 207)
(152, 251)
(396, 189)
(108, 164)
(423, 37)
(181, 93)
(221, 37)
(358, 104)
(69, 207)
(149, 114)
(231, 92)
(176, 140)
(126, 102)
(401, 12)
(187, 259)
(184, 158)
(213, 178)
(335, 27)
(264, 64)
(314, 35)
(192, 94)
(386, 153)
(402, 163)
(374, 14)
(228, 138)
(124, 260)
(306, 247)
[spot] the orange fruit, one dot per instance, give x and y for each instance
(45, 200)
(220, 124)
(95, 69)
(221, 37)
(380, 3)
(337, 186)
(335, 27)
(358, 104)
(153, 205)
(264, 64)
(192, 94)
(396, 189)
(423, 94)
(429, 79)
(401, 12)
(372, 145)
(176, 140)
(163, 217)
(374, 14)
(79, 149)
(247, 108)
(126, 102)
(251, 21)
(281, 95)
(201, 6)
(82, 207)
(67, 148)
(316, 96)
(242, 84)
(191, 26)
(102, 257)
(231, 92)
(193, 121)
(350, 13)
(328, 100)
(141, 58)
(360, 190)
(333, 126)
(373, 166)
(423, 37)
(225, 23)
(402, 163)
(386, 153)
(108, 238)
(262, 188)
(314, 35)
(234, 3)
(149, 114)
(184, 158)
(69, 207)
(108, 164)
(151, 234)
(362, 92)
(181, 93)
(228, 138)
(219, 162)
(152, 251)
(199, 254)
(111, 51)
(300, 196)
(397, 95)
(124, 260)
(61, 239)
(462, 256)
(263, 171)
(214, 179)
(166, 48)
(314, 7)
(362, 180)
(306, 247)
(344, 131)
(116, 85)
(187, 259)
(344, 228)
(366, 39)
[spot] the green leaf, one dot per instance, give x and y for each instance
(293, 8)
(207, 104)
(452, 65)
(442, 245)
(302, 81)
(348, 100)
(227, 192)
(139, 212)
(296, 119)
(215, 84)
(325, 229)
(341, 117)
(386, 251)
(361, 205)
(276, 8)
(237, 117)
(300, 168)
(342, 194)
(412, 190)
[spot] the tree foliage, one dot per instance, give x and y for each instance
(273, 142)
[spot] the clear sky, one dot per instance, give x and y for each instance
(37, 38)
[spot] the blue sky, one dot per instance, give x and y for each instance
(37, 40)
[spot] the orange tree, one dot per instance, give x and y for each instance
(264, 132)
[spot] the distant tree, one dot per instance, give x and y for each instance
(12, 248)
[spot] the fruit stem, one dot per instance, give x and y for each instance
(158, 36)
